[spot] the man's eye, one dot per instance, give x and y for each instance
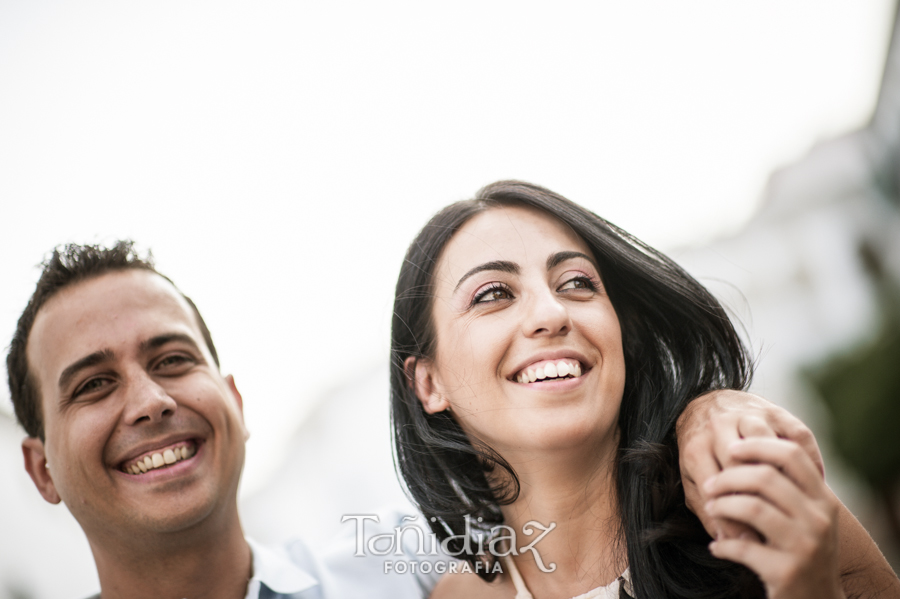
(173, 362)
(492, 294)
(91, 385)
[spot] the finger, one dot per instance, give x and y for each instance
(785, 455)
(724, 429)
(754, 426)
(695, 500)
(751, 553)
(715, 527)
(762, 480)
(698, 464)
(773, 524)
(730, 529)
(788, 426)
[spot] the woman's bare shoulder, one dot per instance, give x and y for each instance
(470, 586)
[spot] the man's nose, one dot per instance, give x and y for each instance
(147, 401)
(546, 315)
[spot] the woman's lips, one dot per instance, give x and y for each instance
(550, 370)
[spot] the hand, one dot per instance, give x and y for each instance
(779, 491)
(710, 424)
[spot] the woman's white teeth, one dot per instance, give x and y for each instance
(550, 370)
(158, 460)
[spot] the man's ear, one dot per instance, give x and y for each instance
(420, 373)
(38, 469)
(239, 400)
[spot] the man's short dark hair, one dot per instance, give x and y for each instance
(73, 264)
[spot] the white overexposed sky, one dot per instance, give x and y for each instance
(279, 156)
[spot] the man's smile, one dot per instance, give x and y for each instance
(160, 458)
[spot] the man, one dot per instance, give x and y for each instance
(115, 378)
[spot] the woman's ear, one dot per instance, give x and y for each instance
(420, 374)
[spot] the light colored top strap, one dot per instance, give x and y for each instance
(610, 591)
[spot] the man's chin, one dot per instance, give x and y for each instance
(158, 518)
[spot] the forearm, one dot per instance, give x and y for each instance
(865, 573)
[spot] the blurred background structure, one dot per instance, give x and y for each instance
(815, 277)
(279, 157)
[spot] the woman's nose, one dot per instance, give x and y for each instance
(546, 315)
(147, 401)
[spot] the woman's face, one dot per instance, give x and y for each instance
(529, 350)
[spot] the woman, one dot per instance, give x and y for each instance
(540, 359)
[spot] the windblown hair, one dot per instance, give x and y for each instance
(678, 343)
(68, 266)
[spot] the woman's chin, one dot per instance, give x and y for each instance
(562, 434)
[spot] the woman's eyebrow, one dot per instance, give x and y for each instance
(560, 257)
(501, 265)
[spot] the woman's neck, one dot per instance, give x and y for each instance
(575, 498)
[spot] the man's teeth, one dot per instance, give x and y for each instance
(158, 460)
(550, 370)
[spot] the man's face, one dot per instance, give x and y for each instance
(126, 380)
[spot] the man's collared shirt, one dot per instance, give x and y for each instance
(340, 572)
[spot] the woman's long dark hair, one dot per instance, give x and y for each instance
(678, 342)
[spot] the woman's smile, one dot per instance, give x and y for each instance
(556, 366)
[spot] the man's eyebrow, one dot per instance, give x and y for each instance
(560, 257)
(98, 357)
(160, 340)
(501, 265)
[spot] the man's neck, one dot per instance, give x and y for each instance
(208, 562)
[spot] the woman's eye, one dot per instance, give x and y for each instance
(492, 294)
(578, 283)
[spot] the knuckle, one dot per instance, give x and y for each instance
(693, 500)
(753, 422)
(686, 422)
(766, 475)
(801, 433)
(733, 530)
(757, 509)
(820, 523)
(805, 546)
(793, 427)
(690, 450)
(795, 452)
(719, 419)
(739, 550)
